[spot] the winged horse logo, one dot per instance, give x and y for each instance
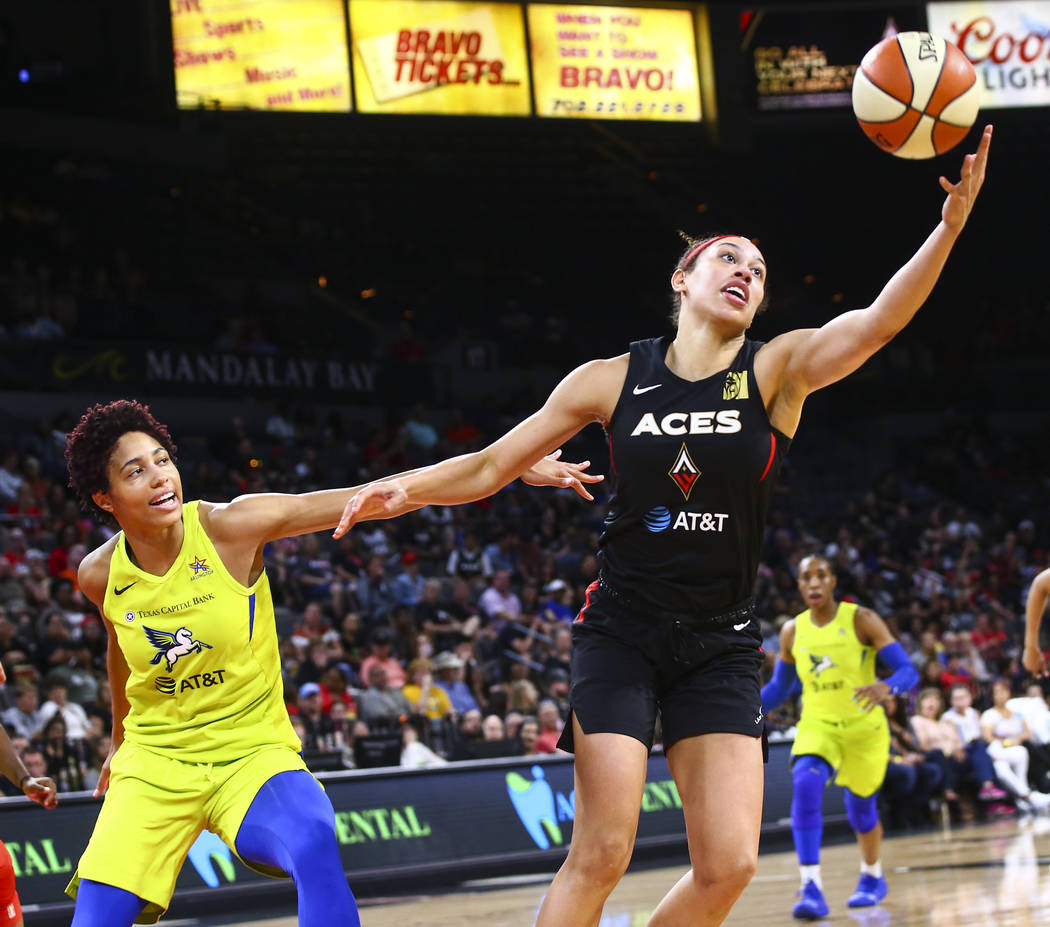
(172, 646)
(820, 664)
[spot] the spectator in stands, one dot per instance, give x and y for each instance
(434, 618)
(313, 627)
(499, 602)
(58, 701)
(550, 723)
(25, 718)
(558, 690)
(314, 666)
(967, 723)
(1005, 732)
(939, 741)
(492, 728)
(424, 697)
(381, 652)
(558, 607)
(523, 697)
(317, 726)
(334, 691)
(64, 755)
(353, 640)
(408, 584)
(375, 592)
(381, 706)
(448, 670)
(929, 649)
(528, 735)
(35, 761)
(468, 560)
(910, 780)
(414, 753)
(78, 674)
(312, 570)
(561, 655)
(55, 646)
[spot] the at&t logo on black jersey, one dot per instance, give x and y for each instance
(660, 519)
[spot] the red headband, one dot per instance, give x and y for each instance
(700, 247)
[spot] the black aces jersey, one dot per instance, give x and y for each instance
(694, 464)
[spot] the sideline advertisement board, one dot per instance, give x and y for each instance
(1008, 42)
(454, 58)
(261, 54)
(463, 820)
(611, 62)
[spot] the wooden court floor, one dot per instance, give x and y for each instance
(994, 875)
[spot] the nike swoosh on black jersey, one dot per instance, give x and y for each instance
(117, 591)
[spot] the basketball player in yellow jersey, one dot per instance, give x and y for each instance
(201, 735)
(831, 648)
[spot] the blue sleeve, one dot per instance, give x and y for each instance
(780, 686)
(904, 676)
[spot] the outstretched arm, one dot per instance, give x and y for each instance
(806, 360)
(785, 676)
(588, 394)
(1033, 658)
(43, 790)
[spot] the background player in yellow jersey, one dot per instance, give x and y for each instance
(831, 648)
(201, 735)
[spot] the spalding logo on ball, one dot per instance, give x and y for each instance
(915, 95)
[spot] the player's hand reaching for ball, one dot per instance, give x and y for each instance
(43, 790)
(554, 472)
(962, 195)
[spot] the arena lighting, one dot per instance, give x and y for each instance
(23, 76)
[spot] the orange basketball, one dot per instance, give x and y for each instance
(915, 95)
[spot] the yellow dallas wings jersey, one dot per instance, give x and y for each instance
(831, 662)
(205, 683)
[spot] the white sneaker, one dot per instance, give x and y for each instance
(1039, 800)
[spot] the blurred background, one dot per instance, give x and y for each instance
(328, 240)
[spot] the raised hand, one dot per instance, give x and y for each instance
(554, 472)
(962, 195)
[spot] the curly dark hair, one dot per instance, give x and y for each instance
(686, 262)
(90, 445)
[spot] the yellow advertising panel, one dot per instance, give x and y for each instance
(612, 62)
(418, 56)
(261, 54)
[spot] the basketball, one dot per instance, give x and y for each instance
(915, 95)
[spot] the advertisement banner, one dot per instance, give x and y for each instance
(462, 820)
(611, 62)
(1008, 42)
(805, 58)
(185, 370)
(261, 54)
(416, 56)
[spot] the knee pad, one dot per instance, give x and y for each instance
(809, 776)
(862, 813)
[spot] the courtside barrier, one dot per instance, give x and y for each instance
(395, 826)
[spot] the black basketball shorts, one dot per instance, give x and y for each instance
(627, 666)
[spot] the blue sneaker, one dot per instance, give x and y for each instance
(870, 891)
(811, 903)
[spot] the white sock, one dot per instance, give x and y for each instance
(872, 869)
(811, 874)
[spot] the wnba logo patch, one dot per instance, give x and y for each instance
(165, 685)
(735, 386)
(684, 472)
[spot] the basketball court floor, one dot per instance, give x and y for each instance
(994, 875)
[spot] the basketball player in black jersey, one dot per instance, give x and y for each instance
(697, 427)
